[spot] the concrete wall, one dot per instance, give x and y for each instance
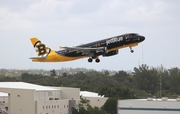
(21, 101)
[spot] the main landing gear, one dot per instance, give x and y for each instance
(90, 60)
(97, 60)
(132, 51)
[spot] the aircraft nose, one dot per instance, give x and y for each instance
(142, 38)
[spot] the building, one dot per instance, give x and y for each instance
(3, 103)
(93, 98)
(149, 106)
(26, 98)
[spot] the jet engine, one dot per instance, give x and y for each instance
(111, 53)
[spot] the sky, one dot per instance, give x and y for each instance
(74, 22)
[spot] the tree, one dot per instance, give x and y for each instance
(116, 92)
(53, 73)
(64, 74)
(175, 80)
(146, 79)
(110, 106)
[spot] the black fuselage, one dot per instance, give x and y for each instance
(112, 43)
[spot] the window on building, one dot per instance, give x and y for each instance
(64, 106)
(67, 106)
(57, 106)
(49, 107)
(43, 107)
(54, 106)
(46, 107)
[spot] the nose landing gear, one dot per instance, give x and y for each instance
(131, 50)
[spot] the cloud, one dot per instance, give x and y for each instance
(35, 14)
(87, 14)
(12, 20)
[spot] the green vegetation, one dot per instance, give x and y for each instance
(143, 82)
(110, 106)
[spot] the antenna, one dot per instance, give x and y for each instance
(160, 87)
(142, 55)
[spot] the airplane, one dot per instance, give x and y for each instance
(106, 47)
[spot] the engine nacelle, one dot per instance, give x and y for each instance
(111, 53)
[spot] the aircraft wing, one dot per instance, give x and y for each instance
(84, 50)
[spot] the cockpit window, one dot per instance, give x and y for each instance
(127, 37)
(134, 35)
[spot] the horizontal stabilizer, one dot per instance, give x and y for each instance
(38, 58)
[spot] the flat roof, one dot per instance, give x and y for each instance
(148, 100)
(23, 85)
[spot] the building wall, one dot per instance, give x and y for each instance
(73, 104)
(29, 101)
(3, 103)
(148, 107)
(70, 93)
(96, 101)
(52, 107)
(21, 101)
(47, 95)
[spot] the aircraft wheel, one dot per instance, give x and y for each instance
(97, 60)
(90, 60)
(132, 51)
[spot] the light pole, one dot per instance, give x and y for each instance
(160, 86)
